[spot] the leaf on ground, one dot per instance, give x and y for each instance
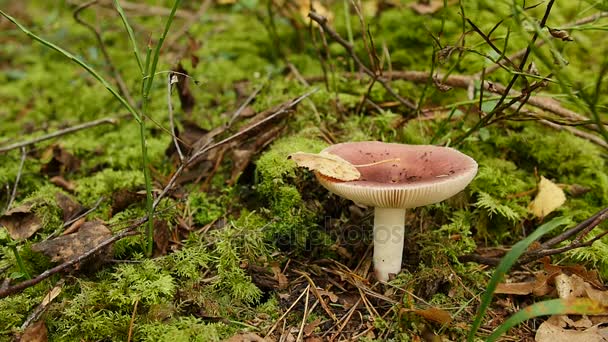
(123, 198)
(36, 332)
(63, 183)
(549, 197)
(68, 205)
(21, 222)
(59, 162)
(68, 247)
(246, 337)
(327, 164)
(548, 332)
(435, 315)
(161, 237)
(186, 98)
(430, 7)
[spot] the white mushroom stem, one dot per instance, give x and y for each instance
(389, 231)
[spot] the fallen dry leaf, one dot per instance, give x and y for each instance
(427, 8)
(548, 332)
(68, 205)
(549, 197)
(36, 332)
(327, 164)
(569, 286)
(161, 237)
(21, 222)
(246, 337)
(59, 162)
(435, 315)
(67, 247)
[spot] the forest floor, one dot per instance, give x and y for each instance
(244, 245)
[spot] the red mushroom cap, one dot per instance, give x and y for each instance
(424, 174)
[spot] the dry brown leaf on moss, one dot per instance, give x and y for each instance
(548, 332)
(36, 332)
(327, 164)
(549, 197)
(21, 222)
(68, 247)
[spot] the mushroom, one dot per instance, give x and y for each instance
(419, 175)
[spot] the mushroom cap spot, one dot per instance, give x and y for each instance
(424, 174)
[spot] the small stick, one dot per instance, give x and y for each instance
(132, 321)
(93, 208)
(41, 308)
(286, 312)
(59, 133)
(46, 274)
(19, 171)
(171, 118)
(117, 77)
(304, 316)
(396, 160)
(208, 147)
(322, 21)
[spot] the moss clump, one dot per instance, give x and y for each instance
(104, 183)
(182, 329)
(291, 220)
(205, 209)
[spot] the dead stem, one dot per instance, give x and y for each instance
(124, 90)
(59, 133)
(322, 21)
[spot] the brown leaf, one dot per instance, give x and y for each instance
(60, 163)
(68, 205)
(435, 315)
(309, 328)
(21, 222)
(68, 247)
(524, 288)
(161, 237)
(186, 98)
(246, 337)
(548, 332)
(280, 277)
(123, 198)
(36, 332)
(63, 183)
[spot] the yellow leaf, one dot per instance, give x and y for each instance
(327, 164)
(305, 7)
(549, 197)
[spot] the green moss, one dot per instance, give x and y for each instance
(105, 183)
(182, 329)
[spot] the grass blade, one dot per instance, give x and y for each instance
(505, 265)
(129, 29)
(571, 306)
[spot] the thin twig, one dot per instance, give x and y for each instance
(304, 316)
(17, 178)
(322, 21)
(545, 249)
(286, 312)
(41, 308)
(48, 273)
(208, 147)
(124, 90)
(93, 208)
(59, 133)
(132, 321)
(171, 118)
